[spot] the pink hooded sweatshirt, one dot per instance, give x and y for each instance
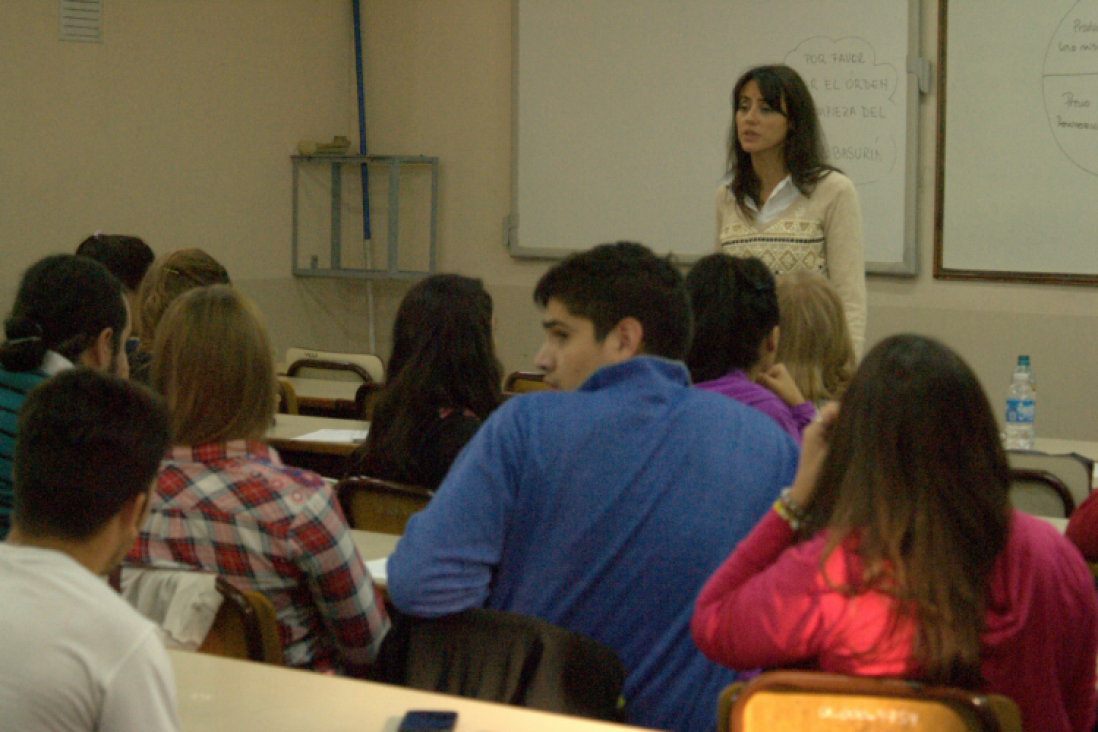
(770, 605)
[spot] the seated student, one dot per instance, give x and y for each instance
(444, 380)
(736, 336)
(1082, 528)
(126, 257)
(896, 553)
(602, 509)
(169, 277)
(73, 654)
(815, 346)
(68, 310)
(225, 503)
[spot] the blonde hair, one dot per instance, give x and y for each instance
(212, 363)
(169, 277)
(815, 343)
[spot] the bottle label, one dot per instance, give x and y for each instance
(1019, 411)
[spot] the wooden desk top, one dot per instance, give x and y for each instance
(1061, 447)
(373, 545)
(375, 548)
(323, 390)
(216, 694)
(288, 427)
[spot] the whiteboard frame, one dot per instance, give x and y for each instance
(906, 266)
(941, 271)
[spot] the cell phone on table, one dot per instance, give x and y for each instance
(428, 721)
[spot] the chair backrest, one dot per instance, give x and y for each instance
(287, 398)
(373, 504)
(365, 396)
(1040, 493)
(504, 657)
(183, 601)
(1076, 471)
(245, 627)
(793, 701)
(521, 382)
(311, 364)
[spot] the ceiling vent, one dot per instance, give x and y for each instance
(82, 20)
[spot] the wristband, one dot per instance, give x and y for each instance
(790, 512)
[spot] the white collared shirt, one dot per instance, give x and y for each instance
(784, 194)
(54, 363)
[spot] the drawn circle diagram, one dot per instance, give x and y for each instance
(1071, 85)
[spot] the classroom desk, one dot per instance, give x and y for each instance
(325, 397)
(375, 548)
(326, 458)
(1062, 447)
(216, 694)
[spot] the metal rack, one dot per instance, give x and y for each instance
(336, 268)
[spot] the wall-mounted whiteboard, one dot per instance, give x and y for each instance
(622, 110)
(1018, 129)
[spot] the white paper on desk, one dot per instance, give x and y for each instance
(378, 570)
(343, 436)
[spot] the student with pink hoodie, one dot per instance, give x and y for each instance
(896, 553)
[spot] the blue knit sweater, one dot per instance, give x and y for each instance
(604, 511)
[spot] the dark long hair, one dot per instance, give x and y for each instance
(735, 307)
(917, 479)
(804, 150)
(443, 359)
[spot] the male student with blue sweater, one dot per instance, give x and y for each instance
(605, 507)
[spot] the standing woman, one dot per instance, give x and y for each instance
(781, 202)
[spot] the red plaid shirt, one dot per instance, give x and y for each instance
(234, 509)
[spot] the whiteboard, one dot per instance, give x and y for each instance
(1018, 119)
(622, 109)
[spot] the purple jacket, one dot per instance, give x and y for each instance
(735, 384)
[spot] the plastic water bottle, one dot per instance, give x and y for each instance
(1020, 433)
(1023, 366)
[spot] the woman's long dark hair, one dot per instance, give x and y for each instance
(735, 307)
(442, 359)
(917, 479)
(805, 153)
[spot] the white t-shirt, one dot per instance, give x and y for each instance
(73, 655)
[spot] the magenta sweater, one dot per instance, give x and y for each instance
(769, 605)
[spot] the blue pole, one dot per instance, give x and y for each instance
(361, 121)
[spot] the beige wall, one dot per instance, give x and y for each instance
(179, 127)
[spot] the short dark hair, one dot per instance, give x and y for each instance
(125, 257)
(64, 302)
(624, 280)
(86, 443)
(735, 307)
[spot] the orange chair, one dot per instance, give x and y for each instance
(522, 382)
(244, 627)
(798, 701)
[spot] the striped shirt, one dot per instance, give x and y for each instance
(234, 509)
(13, 392)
